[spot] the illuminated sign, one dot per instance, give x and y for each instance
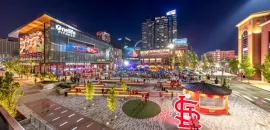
(73, 47)
(119, 39)
(155, 52)
(182, 41)
(171, 12)
(131, 53)
(65, 31)
(107, 53)
(127, 39)
(188, 117)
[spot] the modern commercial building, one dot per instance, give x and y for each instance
(221, 55)
(104, 36)
(254, 39)
(159, 32)
(159, 58)
(8, 48)
(61, 48)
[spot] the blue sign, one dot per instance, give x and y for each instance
(182, 41)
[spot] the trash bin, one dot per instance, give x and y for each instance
(66, 94)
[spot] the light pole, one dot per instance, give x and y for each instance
(171, 47)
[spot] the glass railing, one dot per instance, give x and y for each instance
(7, 122)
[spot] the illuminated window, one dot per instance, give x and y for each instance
(211, 102)
(245, 43)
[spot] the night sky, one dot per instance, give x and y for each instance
(208, 24)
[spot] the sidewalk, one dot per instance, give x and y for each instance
(258, 84)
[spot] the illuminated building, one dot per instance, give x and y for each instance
(8, 48)
(159, 58)
(159, 32)
(221, 55)
(104, 36)
(172, 25)
(254, 39)
(148, 34)
(60, 48)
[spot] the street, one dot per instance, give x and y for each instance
(252, 94)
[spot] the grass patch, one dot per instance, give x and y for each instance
(63, 86)
(140, 110)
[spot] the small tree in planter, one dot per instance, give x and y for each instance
(216, 80)
(112, 94)
(89, 92)
(124, 85)
(225, 83)
(52, 77)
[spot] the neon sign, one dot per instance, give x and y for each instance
(65, 31)
(188, 117)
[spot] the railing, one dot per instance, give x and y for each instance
(38, 125)
(7, 122)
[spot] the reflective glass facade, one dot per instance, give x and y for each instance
(57, 46)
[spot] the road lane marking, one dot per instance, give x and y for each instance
(56, 118)
(79, 120)
(50, 114)
(63, 123)
(52, 105)
(64, 111)
(89, 125)
(267, 99)
(74, 128)
(71, 115)
(57, 108)
(248, 98)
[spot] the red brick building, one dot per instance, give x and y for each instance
(221, 55)
(254, 39)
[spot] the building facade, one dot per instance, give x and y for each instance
(104, 36)
(254, 39)
(221, 55)
(160, 58)
(148, 38)
(8, 49)
(60, 48)
(159, 32)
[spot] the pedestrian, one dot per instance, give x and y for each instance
(102, 91)
(35, 80)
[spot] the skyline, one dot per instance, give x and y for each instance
(120, 18)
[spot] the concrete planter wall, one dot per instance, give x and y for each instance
(62, 91)
(49, 85)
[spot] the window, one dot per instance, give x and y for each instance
(245, 43)
(211, 102)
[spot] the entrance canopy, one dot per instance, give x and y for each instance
(36, 24)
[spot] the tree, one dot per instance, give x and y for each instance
(193, 59)
(265, 68)
(89, 92)
(211, 61)
(233, 63)
(8, 97)
(172, 62)
(124, 85)
(112, 99)
(248, 67)
(205, 63)
(182, 60)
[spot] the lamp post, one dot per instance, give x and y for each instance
(171, 47)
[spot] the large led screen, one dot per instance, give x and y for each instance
(132, 54)
(31, 45)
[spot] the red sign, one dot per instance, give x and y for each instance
(94, 50)
(188, 117)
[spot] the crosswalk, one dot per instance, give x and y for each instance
(252, 98)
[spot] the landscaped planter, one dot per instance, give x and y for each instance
(49, 84)
(62, 91)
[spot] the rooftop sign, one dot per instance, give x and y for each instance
(171, 12)
(65, 31)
